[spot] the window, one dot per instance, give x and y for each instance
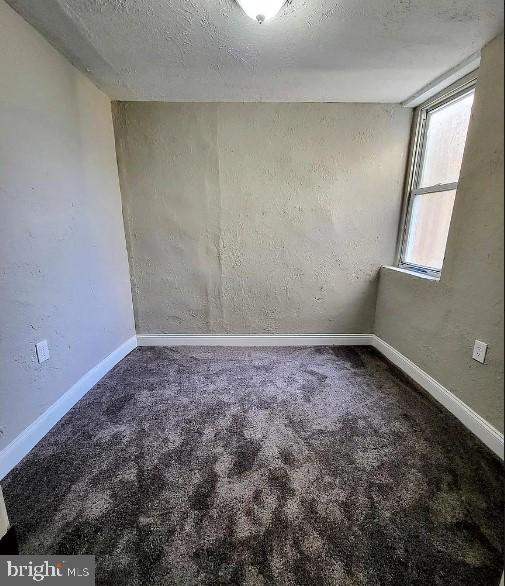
(441, 128)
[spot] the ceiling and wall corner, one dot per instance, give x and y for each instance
(313, 50)
(63, 263)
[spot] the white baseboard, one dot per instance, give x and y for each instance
(472, 420)
(14, 452)
(255, 340)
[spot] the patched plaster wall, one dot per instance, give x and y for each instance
(63, 262)
(253, 218)
(435, 323)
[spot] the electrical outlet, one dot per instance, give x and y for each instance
(42, 350)
(479, 351)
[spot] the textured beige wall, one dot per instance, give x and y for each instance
(252, 218)
(435, 323)
(63, 263)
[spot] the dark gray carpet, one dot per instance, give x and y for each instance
(263, 466)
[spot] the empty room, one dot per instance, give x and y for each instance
(251, 292)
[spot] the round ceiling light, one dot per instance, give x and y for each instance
(261, 10)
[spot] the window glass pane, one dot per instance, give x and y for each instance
(428, 229)
(445, 141)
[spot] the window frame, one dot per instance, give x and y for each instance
(416, 159)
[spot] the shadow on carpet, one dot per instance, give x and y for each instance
(285, 466)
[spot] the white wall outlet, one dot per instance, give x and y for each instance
(479, 351)
(42, 350)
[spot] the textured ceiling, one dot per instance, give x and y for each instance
(314, 50)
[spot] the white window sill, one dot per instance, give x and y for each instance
(412, 273)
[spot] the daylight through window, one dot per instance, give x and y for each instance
(442, 131)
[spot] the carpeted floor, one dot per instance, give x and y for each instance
(283, 466)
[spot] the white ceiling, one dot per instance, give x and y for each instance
(313, 50)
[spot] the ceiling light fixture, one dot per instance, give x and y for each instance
(261, 10)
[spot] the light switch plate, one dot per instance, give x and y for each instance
(479, 351)
(42, 350)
